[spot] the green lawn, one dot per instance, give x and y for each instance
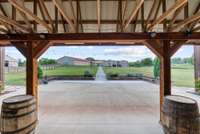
(15, 78)
(70, 70)
(182, 75)
(19, 78)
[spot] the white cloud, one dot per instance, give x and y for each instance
(130, 52)
(90, 47)
(74, 47)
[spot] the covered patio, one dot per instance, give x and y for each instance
(32, 26)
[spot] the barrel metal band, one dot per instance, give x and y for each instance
(14, 132)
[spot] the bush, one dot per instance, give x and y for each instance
(156, 68)
(197, 84)
(131, 75)
(87, 73)
(40, 72)
(112, 75)
(134, 75)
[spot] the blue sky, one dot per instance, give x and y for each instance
(130, 53)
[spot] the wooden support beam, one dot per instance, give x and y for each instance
(40, 48)
(99, 15)
(139, 3)
(79, 22)
(73, 12)
(35, 12)
(60, 7)
(13, 23)
(142, 18)
(98, 37)
(45, 13)
(165, 72)
(187, 21)
(193, 24)
(155, 46)
(172, 9)
(56, 19)
(29, 13)
(32, 51)
(24, 16)
(176, 46)
(177, 12)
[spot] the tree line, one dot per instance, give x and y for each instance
(150, 61)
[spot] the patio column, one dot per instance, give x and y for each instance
(31, 71)
(32, 50)
(165, 72)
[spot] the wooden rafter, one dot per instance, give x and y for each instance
(45, 12)
(79, 16)
(142, 18)
(24, 16)
(134, 12)
(5, 14)
(99, 15)
(177, 12)
(124, 13)
(13, 23)
(192, 18)
(35, 12)
(192, 25)
(172, 9)
(60, 7)
(119, 17)
(73, 12)
(29, 13)
(56, 19)
(153, 12)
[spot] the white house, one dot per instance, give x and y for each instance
(10, 61)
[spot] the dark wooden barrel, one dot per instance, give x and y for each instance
(180, 115)
(18, 115)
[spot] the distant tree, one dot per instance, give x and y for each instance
(46, 61)
(147, 62)
(156, 68)
(135, 64)
(21, 63)
(177, 61)
(91, 60)
(40, 72)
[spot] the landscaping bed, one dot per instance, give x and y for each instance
(67, 77)
(111, 76)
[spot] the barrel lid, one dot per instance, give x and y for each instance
(180, 99)
(17, 99)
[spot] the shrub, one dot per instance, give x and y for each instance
(40, 72)
(114, 75)
(87, 73)
(131, 75)
(156, 68)
(197, 84)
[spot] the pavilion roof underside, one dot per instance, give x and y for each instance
(85, 16)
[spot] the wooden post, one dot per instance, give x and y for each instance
(165, 72)
(31, 50)
(197, 62)
(31, 71)
(2, 59)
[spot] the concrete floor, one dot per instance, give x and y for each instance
(99, 107)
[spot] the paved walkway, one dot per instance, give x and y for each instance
(109, 107)
(100, 76)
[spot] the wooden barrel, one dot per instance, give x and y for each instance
(18, 115)
(180, 115)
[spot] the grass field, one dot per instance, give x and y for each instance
(70, 70)
(19, 78)
(182, 75)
